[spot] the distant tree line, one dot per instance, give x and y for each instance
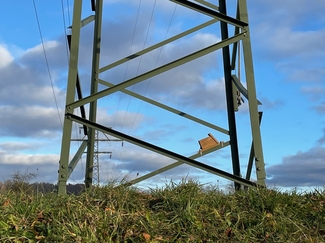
(20, 182)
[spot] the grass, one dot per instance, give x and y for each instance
(178, 212)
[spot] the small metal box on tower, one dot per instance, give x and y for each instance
(208, 142)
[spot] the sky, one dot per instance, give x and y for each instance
(289, 63)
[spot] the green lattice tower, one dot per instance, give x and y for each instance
(232, 83)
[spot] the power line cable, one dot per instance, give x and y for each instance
(140, 60)
(139, 64)
(127, 64)
(126, 69)
(156, 64)
(68, 6)
(47, 63)
(65, 31)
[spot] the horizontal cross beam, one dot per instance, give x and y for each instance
(160, 150)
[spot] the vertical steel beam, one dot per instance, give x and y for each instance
(96, 160)
(78, 88)
(229, 96)
(77, 157)
(251, 155)
(72, 77)
(253, 109)
(241, 33)
(94, 90)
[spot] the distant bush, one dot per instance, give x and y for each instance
(19, 182)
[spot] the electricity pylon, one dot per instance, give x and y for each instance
(233, 88)
(97, 152)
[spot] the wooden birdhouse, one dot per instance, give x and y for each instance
(208, 142)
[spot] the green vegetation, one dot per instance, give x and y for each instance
(183, 212)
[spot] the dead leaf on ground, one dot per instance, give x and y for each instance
(6, 203)
(146, 236)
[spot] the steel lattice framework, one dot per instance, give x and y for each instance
(233, 88)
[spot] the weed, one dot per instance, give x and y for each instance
(178, 212)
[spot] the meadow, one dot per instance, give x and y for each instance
(177, 212)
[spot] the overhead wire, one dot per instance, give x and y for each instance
(140, 59)
(139, 64)
(47, 63)
(127, 64)
(66, 42)
(65, 30)
(156, 64)
(126, 69)
(158, 57)
(125, 74)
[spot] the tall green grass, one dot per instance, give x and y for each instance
(178, 212)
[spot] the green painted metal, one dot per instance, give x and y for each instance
(72, 77)
(92, 144)
(178, 163)
(251, 155)
(156, 71)
(161, 151)
(230, 97)
(209, 12)
(87, 20)
(73, 163)
(235, 45)
(242, 89)
(168, 108)
(253, 109)
(210, 5)
(160, 44)
(241, 34)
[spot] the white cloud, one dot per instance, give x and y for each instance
(286, 42)
(320, 108)
(28, 159)
(39, 48)
(55, 52)
(27, 121)
(312, 74)
(289, 12)
(15, 146)
(120, 118)
(315, 91)
(321, 141)
(5, 56)
(289, 35)
(302, 169)
(44, 166)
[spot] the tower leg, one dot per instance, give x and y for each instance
(72, 77)
(229, 96)
(94, 90)
(253, 109)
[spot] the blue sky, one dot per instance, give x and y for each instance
(289, 60)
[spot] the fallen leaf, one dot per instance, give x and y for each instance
(107, 209)
(6, 203)
(146, 236)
